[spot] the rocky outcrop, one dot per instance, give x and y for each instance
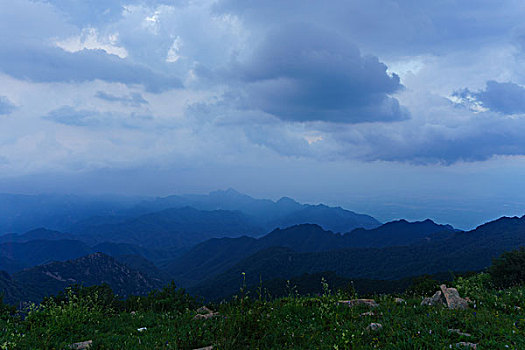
(454, 301)
(436, 299)
(446, 296)
(203, 313)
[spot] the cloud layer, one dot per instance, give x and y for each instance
(228, 81)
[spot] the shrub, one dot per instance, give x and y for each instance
(53, 325)
(167, 299)
(509, 269)
(348, 291)
(475, 286)
(99, 296)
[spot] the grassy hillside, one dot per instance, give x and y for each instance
(495, 319)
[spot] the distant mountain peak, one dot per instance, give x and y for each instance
(230, 192)
(412, 223)
(502, 221)
(298, 227)
(285, 199)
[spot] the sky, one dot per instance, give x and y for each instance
(396, 108)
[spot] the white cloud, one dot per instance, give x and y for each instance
(90, 39)
(173, 53)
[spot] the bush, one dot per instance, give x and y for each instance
(168, 299)
(475, 286)
(101, 297)
(53, 324)
(509, 269)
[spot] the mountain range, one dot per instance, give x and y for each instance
(205, 242)
(212, 256)
(34, 283)
(75, 214)
(459, 251)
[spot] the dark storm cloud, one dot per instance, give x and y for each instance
(6, 106)
(505, 98)
(300, 72)
(460, 135)
(405, 27)
(50, 64)
(135, 99)
(442, 149)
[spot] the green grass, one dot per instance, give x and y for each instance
(495, 319)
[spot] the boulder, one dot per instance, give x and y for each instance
(203, 313)
(453, 300)
(82, 345)
(457, 331)
(462, 345)
(355, 302)
(374, 327)
(204, 310)
(206, 316)
(436, 299)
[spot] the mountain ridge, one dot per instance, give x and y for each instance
(219, 254)
(93, 269)
(463, 251)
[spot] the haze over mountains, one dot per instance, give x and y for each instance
(21, 213)
(205, 242)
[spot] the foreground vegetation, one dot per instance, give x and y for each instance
(166, 319)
